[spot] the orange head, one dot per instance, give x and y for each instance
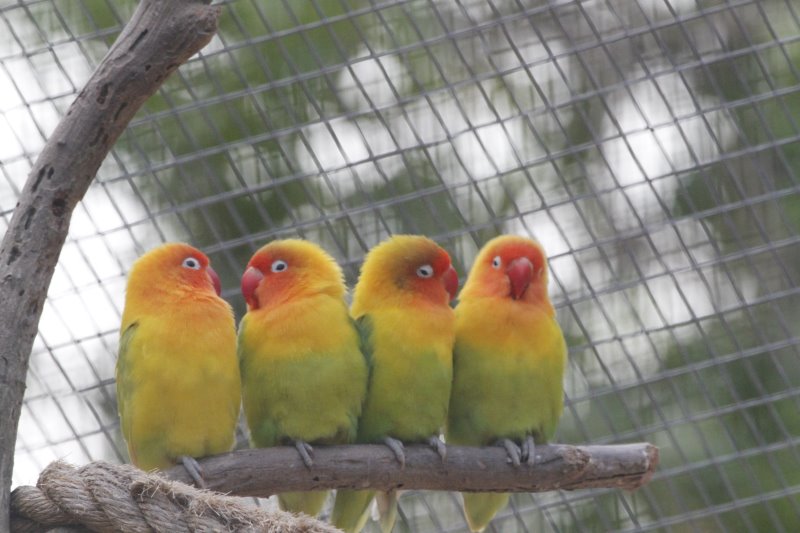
(509, 267)
(406, 267)
(287, 269)
(173, 266)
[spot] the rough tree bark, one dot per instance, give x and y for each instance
(159, 37)
(264, 472)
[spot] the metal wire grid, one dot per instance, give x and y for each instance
(649, 145)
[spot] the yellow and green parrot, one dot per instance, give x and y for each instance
(178, 386)
(508, 362)
(303, 375)
(401, 306)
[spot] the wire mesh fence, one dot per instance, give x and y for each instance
(651, 146)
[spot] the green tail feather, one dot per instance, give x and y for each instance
(351, 509)
(309, 503)
(480, 508)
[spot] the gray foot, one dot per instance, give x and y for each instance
(397, 448)
(306, 451)
(436, 443)
(512, 450)
(194, 469)
(529, 451)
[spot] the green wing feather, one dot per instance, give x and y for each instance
(363, 325)
(123, 374)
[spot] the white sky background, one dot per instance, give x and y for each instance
(77, 339)
(77, 334)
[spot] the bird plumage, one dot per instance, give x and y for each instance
(178, 386)
(303, 375)
(509, 358)
(401, 304)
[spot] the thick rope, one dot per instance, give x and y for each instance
(110, 497)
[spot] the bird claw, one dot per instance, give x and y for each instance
(306, 451)
(529, 451)
(512, 450)
(194, 469)
(436, 443)
(397, 449)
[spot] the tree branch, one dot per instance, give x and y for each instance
(159, 37)
(267, 471)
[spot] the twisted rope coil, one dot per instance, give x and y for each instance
(106, 497)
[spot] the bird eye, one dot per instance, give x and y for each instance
(279, 265)
(191, 262)
(497, 262)
(425, 271)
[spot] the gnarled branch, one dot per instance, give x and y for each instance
(159, 37)
(263, 472)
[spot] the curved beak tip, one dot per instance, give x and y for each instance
(214, 280)
(450, 280)
(250, 281)
(520, 273)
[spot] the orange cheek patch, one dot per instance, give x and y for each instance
(428, 289)
(274, 286)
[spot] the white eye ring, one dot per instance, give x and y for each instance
(191, 262)
(497, 262)
(279, 265)
(425, 271)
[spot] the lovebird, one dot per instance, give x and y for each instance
(508, 362)
(401, 306)
(178, 385)
(303, 375)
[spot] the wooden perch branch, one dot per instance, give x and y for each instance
(264, 472)
(110, 497)
(159, 37)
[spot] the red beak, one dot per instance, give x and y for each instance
(214, 280)
(450, 281)
(520, 273)
(250, 280)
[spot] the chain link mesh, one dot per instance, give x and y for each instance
(650, 145)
